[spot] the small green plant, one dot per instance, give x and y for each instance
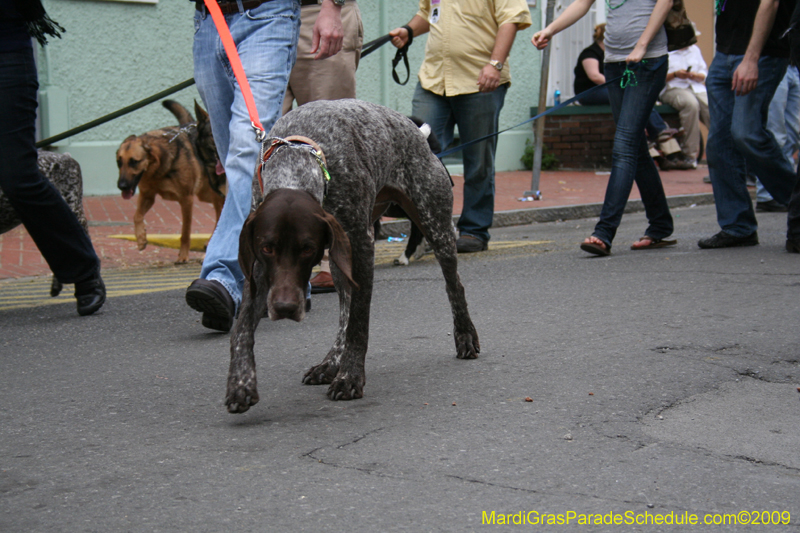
(549, 161)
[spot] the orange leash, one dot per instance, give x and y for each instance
(236, 64)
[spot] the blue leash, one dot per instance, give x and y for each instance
(628, 78)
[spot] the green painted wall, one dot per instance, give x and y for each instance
(115, 53)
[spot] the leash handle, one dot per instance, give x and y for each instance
(371, 46)
(236, 64)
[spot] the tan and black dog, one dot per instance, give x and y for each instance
(167, 162)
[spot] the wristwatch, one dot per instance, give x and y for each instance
(496, 64)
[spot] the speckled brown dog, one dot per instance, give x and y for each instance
(375, 157)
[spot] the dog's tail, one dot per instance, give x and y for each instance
(425, 128)
(433, 142)
(180, 112)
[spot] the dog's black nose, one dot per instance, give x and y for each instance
(285, 309)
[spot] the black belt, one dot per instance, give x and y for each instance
(227, 6)
(310, 2)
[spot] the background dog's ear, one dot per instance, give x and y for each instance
(340, 252)
(202, 116)
(247, 255)
(129, 138)
(153, 154)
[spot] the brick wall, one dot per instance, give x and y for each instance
(581, 137)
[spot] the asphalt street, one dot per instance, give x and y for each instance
(661, 382)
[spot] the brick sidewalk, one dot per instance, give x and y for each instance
(111, 215)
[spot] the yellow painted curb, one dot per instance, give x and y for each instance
(197, 241)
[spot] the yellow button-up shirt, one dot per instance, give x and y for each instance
(460, 44)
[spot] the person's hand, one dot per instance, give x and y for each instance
(399, 37)
(542, 38)
(489, 79)
(683, 74)
(328, 33)
(637, 54)
(745, 77)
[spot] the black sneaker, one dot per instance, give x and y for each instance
(91, 294)
(212, 299)
(793, 246)
(726, 240)
(772, 206)
(467, 244)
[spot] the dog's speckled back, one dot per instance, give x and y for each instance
(358, 139)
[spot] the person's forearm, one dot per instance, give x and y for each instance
(570, 16)
(504, 41)
(419, 25)
(765, 18)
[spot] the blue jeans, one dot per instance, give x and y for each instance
(53, 226)
(738, 141)
(630, 159)
(783, 121)
(266, 38)
(476, 115)
(655, 124)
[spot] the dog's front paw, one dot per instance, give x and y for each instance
(320, 374)
(242, 394)
(346, 387)
(183, 257)
(467, 345)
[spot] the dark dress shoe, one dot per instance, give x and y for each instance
(793, 246)
(90, 294)
(467, 244)
(212, 299)
(726, 240)
(772, 206)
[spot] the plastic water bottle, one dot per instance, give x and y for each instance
(557, 97)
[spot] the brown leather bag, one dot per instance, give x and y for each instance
(680, 30)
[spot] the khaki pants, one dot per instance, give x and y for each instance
(327, 79)
(692, 109)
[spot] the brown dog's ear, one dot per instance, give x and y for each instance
(339, 245)
(247, 255)
(202, 116)
(153, 154)
(129, 138)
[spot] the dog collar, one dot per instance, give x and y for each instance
(294, 140)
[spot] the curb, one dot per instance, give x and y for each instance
(522, 217)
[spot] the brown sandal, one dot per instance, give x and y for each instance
(654, 243)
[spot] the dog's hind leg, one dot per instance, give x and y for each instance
(436, 223)
(242, 391)
(444, 246)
